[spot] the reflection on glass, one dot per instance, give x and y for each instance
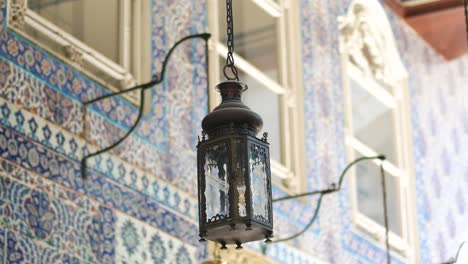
(255, 35)
(86, 21)
(369, 195)
(240, 171)
(216, 182)
(373, 122)
(259, 182)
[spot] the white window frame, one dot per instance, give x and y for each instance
(134, 44)
(355, 145)
(396, 77)
(289, 175)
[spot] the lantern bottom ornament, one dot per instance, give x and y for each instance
(236, 233)
(234, 178)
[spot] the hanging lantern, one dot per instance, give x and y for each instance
(234, 180)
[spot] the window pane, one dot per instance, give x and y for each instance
(369, 195)
(373, 122)
(265, 103)
(255, 35)
(92, 22)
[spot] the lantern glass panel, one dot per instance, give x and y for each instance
(258, 163)
(216, 167)
(240, 170)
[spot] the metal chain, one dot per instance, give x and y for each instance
(466, 18)
(230, 44)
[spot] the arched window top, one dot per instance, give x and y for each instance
(367, 40)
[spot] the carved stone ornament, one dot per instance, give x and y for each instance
(367, 40)
(73, 54)
(128, 81)
(17, 11)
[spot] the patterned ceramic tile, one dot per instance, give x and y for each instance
(65, 143)
(138, 242)
(139, 206)
(43, 161)
(439, 108)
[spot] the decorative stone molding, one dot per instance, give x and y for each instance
(128, 81)
(367, 41)
(290, 182)
(17, 14)
(73, 54)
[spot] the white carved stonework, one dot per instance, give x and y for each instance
(127, 82)
(366, 38)
(73, 54)
(17, 12)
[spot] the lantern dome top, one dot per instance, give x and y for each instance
(231, 111)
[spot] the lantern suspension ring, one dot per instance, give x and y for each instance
(157, 79)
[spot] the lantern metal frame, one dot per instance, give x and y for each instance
(218, 226)
(230, 132)
(233, 123)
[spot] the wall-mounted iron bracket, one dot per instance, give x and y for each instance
(334, 188)
(157, 79)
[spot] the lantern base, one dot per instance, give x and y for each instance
(230, 233)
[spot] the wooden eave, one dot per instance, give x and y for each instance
(441, 23)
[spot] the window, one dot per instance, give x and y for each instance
(105, 39)
(266, 37)
(373, 127)
(377, 122)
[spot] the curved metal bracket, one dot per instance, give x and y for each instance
(142, 87)
(455, 260)
(334, 189)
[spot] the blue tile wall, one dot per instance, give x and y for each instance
(439, 110)
(139, 204)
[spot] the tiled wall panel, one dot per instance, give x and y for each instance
(139, 203)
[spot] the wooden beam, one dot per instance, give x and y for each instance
(414, 8)
(441, 23)
(444, 30)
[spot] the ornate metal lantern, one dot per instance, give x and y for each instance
(234, 181)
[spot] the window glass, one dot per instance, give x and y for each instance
(255, 36)
(373, 122)
(95, 23)
(264, 102)
(369, 195)
(216, 169)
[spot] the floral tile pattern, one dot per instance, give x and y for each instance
(63, 142)
(140, 243)
(139, 205)
(50, 215)
(439, 111)
(47, 224)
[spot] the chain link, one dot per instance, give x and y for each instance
(230, 44)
